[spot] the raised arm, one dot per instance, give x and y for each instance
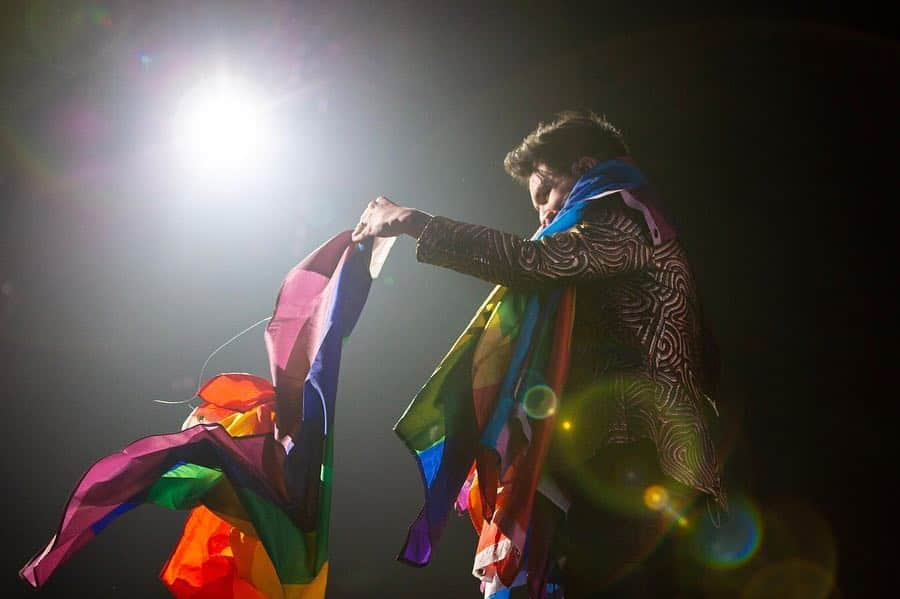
(609, 242)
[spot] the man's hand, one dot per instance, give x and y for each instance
(383, 218)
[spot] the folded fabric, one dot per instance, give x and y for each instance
(256, 455)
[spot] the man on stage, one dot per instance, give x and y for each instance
(582, 483)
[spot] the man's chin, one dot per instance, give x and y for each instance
(548, 218)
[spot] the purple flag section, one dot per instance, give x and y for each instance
(297, 327)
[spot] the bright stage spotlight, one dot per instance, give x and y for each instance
(222, 129)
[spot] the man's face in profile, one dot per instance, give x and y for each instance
(549, 192)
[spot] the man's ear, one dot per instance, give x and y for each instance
(583, 165)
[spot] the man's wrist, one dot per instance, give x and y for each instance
(415, 221)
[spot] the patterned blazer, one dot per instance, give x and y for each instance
(637, 369)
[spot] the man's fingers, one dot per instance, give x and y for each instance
(362, 229)
(358, 232)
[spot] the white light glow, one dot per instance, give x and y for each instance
(222, 130)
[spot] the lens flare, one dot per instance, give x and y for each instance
(540, 402)
(734, 542)
(796, 530)
(656, 498)
(791, 578)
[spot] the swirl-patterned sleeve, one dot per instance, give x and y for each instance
(608, 242)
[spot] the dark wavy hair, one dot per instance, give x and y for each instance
(559, 143)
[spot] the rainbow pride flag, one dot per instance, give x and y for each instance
(255, 460)
(480, 448)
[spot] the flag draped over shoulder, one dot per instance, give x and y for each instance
(481, 426)
(253, 461)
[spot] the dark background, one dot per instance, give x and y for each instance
(771, 131)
